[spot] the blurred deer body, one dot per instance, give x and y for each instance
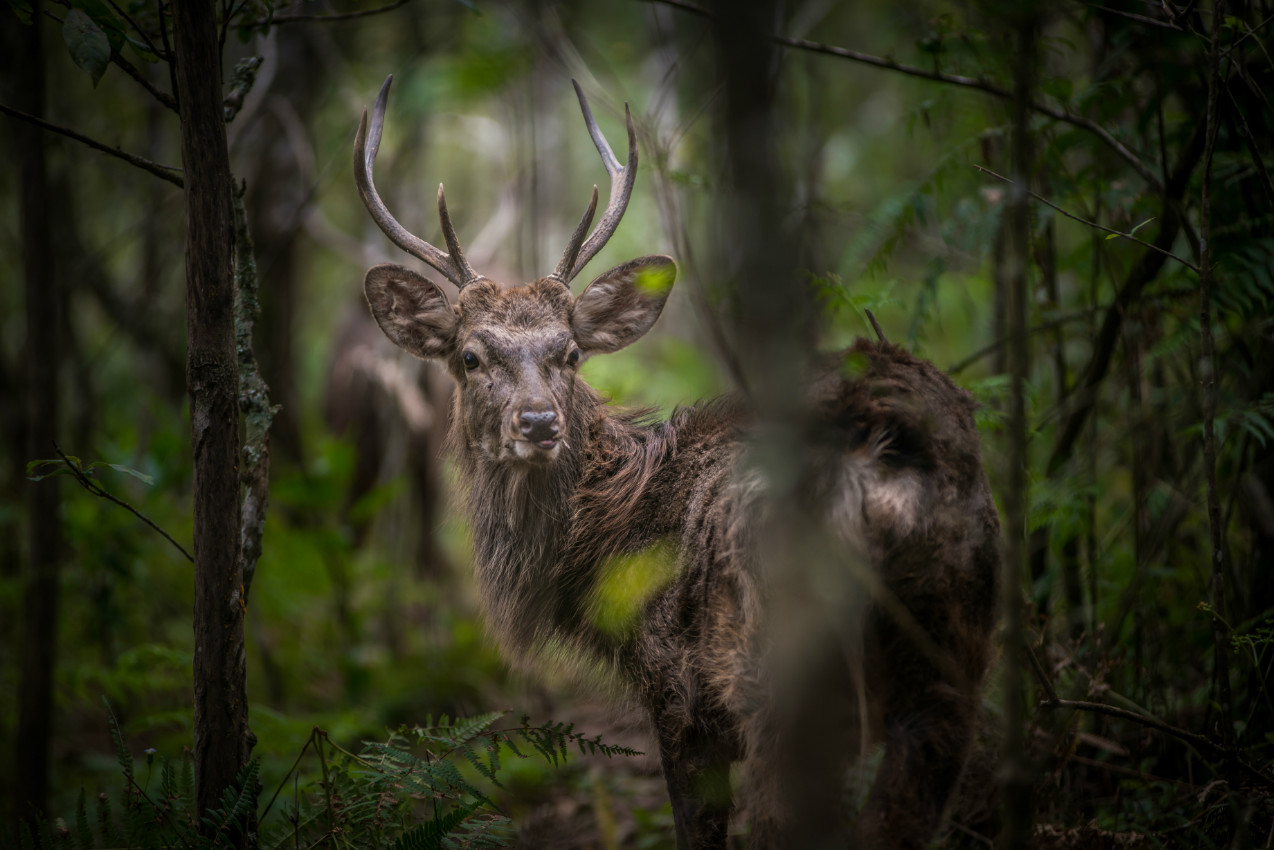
(563, 487)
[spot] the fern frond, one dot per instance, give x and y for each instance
(430, 834)
(83, 831)
(104, 820)
(486, 832)
(122, 752)
(240, 799)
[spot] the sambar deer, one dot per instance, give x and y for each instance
(561, 486)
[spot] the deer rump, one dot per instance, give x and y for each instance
(778, 628)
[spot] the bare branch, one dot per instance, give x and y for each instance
(150, 45)
(1199, 742)
(164, 172)
(339, 16)
(1141, 19)
(1094, 224)
(127, 67)
(97, 490)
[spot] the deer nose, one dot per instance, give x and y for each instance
(538, 426)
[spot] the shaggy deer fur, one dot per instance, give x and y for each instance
(562, 487)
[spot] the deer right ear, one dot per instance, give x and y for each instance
(411, 310)
(622, 304)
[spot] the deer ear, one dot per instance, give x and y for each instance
(619, 307)
(411, 310)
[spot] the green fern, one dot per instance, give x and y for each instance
(430, 834)
(83, 831)
(238, 802)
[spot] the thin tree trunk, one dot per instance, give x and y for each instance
(221, 738)
(1018, 796)
(44, 527)
(1208, 373)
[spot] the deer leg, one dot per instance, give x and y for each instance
(697, 770)
(798, 757)
(928, 732)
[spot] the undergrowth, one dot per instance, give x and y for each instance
(426, 787)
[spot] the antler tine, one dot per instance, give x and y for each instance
(366, 145)
(621, 189)
(467, 274)
(567, 263)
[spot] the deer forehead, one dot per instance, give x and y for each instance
(535, 315)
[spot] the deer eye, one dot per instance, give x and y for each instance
(470, 360)
(572, 359)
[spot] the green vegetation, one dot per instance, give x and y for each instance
(1148, 591)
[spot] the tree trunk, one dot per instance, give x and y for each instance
(1018, 802)
(44, 527)
(221, 738)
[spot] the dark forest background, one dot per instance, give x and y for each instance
(1091, 179)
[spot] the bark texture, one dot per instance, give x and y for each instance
(222, 738)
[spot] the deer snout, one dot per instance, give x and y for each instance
(539, 426)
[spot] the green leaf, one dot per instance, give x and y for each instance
(105, 17)
(46, 468)
(21, 8)
(89, 46)
(127, 470)
(1143, 224)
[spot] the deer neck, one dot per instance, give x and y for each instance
(540, 534)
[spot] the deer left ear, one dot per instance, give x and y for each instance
(622, 304)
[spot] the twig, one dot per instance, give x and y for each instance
(1194, 739)
(1093, 224)
(1141, 19)
(339, 16)
(1246, 35)
(150, 45)
(164, 172)
(127, 67)
(1240, 121)
(978, 84)
(1040, 674)
(1199, 742)
(875, 325)
(97, 490)
(1138, 277)
(968, 361)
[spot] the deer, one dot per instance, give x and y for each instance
(561, 485)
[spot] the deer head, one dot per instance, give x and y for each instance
(514, 352)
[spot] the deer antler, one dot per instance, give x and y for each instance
(621, 189)
(453, 266)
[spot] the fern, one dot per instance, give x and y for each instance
(239, 800)
(430, 834)
(83, 832)
(122, 753)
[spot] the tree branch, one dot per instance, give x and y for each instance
(976, 83)
(1093, 224)
(1199, 742)
(127, 67)
(1142, 272)
(99, 491)
(339, 16)
(164, 172)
